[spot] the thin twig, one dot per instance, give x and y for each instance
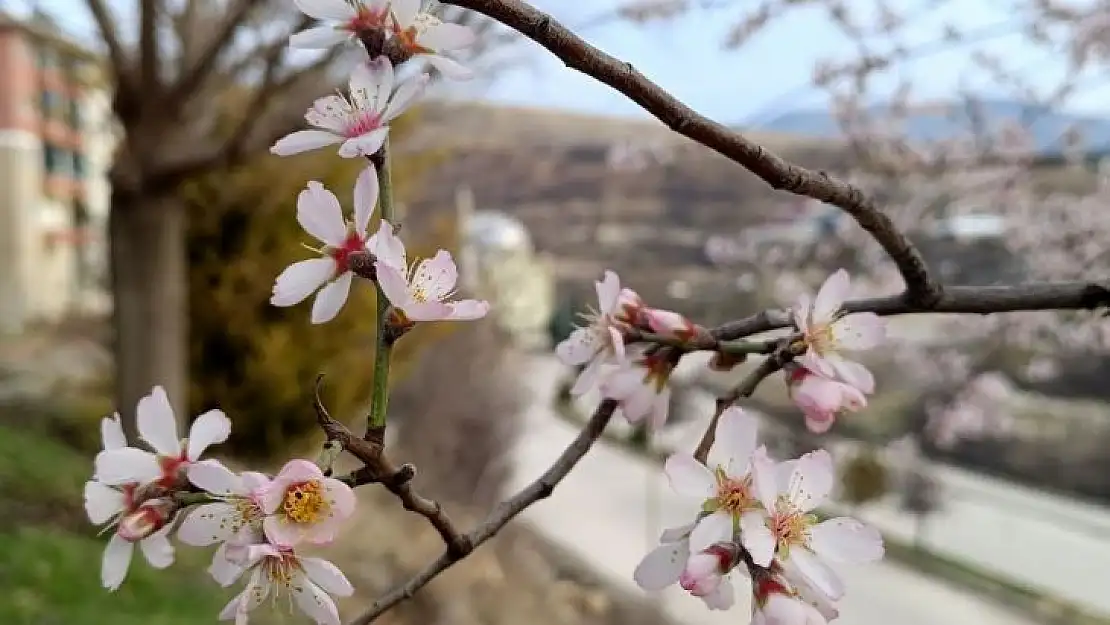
(747, 386)
(503, 513)
(540, 27)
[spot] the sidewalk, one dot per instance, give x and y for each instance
(599, 513)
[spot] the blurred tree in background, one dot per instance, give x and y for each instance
(258, 362)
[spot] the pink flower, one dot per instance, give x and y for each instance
(796, 536)
(118, 466)
(420, 292)
(427, 37)
(601, 342)
(670, 324)
(342, 19)
(774, 603)
(329, 276)
(237, 515)
(705, 575)
(360, 124)
(724, 488)
(827, 333)
(146, 524)
(663, 565)
(308, 582)
(820, 398)
(641, 388)
(303, 505)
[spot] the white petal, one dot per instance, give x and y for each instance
(210, 428)
(300, 279)
(468, 310)
(338, 10)
(578, 348)
(817, 573)
(690, 477)
(588, 378)
(157, 424)
(157, 549)
(364, 145)
(256, 591)
(213, 477)
(447, 36)
(116, 561)
(111, 432)
(223, 569)
(662, 566)
(734, 441)
(812, 480)
(801, 311)
(371, 83)
(757, 537)
(314, 602)
(209, 523)
(608, 292)
(675, 534)
(405, 11)
(715, 528)
(859, 331)
(366, 198)
(388, 247)
(852, 373)
(102, 502)
(327, 576)
(765, 478)
(405, 96)
(722, 598)
(830, 296)
(393, 284)
(319, 38)
(846, 540)
(331, 298)
(450, 68)
(303, 141)
(117, 467)
(319, 213)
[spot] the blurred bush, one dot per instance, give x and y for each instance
(864, 479)
(255, 361)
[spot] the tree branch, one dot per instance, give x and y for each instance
(505, 512)
(192, 77)
(106, 24)
(148, 46)
(540, 27)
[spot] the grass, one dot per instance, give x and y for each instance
(50, 554)
(963, 575)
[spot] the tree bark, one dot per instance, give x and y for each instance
(149, 289)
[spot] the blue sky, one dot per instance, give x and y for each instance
(767, 75)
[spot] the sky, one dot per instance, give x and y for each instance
(768, 76)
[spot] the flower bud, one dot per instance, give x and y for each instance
(671, 324)
(145, 520)
(820, 398)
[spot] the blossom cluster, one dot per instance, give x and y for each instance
(755, 512)
(823, 382)
(260, 522)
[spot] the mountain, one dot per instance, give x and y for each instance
(944, 120)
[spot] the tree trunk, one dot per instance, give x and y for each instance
(149, 291)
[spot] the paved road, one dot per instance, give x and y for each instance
(599, 513)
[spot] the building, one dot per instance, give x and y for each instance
(56, 142)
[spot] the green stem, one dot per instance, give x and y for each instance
(379, 402)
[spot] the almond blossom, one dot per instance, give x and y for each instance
(319, 213)
(359, 123)
(663, 565)
(774, 603)
(725, 488)
(158, 428)
(601, 342)
(827, 332)
(705, 575)
(427, 37)
(308, 582)
(640, 385)
(347, 18)
(670, 324)
(420, 292)
(301, 504)
(796, 537)
(235, 518)
(820, 398)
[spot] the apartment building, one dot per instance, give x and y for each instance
(56, 142)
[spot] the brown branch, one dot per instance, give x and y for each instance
(377, 468)
(747, 386)
(505, 512)
(540, 27)
(148, 46)
(984, 300)
(192, 78)
(125, 96)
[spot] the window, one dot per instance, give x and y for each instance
(46, 57)
(74, 114)
(56, 160)
(52, 104)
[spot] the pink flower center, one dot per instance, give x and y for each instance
(342, 254)
(734, 496)
(790, 526)
(367, 20)
(362, 123)
(171, 469)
